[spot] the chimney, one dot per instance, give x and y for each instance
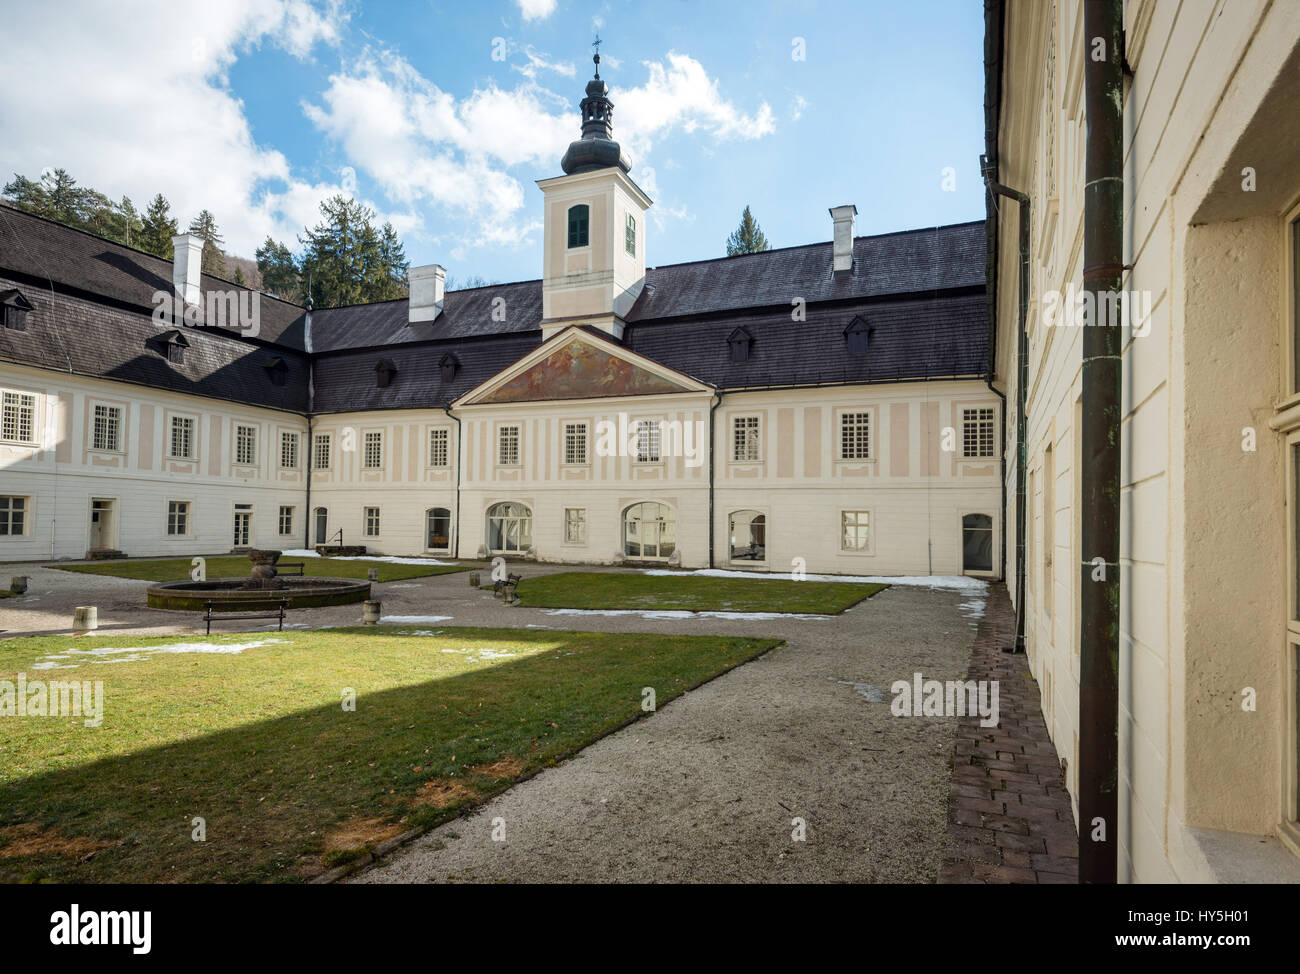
(427, 284)
(842, 244)
(187, 265)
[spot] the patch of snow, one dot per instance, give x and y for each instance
(412, 620)
(128, 654)
(390, 559)
(960, 583)
(684, 614)
(872, 694)
(974, 609)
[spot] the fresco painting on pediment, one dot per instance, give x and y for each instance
(579, 370)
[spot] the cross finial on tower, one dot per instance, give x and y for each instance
(596, 47)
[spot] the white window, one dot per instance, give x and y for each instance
(107, 431)
(508, 446)
(977, 429)
(288, 450)
(437, 528)
(321, 451)
(745, 439)
(372, 522)
(575, 525)
(438, 447)
(19, 418)
(178, 518)
(855, 436)
(13, 516)
(245, 445)
(374, 451)
(647, 441)
(855, 530)
(629, 236)
(575, 442)
(182, 439)
(286, 519)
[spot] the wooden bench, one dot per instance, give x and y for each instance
(287, 568)
(499, 585)
(256, 609)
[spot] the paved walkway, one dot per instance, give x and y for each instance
(1009, 815)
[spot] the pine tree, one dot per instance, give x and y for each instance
(279, 273)
(393, 266)
(157, 228)
(214, 259)
(238, 279)
(129, 223)
(747, 238)
(347, 261)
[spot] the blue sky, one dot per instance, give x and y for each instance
(441, 116)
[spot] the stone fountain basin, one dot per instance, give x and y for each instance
(301, 593)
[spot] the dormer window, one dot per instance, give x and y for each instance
(579, 225)
(170, 345)
(276, 369)
(448, 367)
(384, 372)
(739, 342)
(856, 335)
(14, 308)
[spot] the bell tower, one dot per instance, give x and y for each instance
(593, 265)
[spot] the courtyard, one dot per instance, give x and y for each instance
(488, 743)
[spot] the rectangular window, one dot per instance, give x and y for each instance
(13, 517)
(286, 520)
(855, 530)
(508, 446)
(288, 450)
(245, 445)
(107, 431)
(372, 522)
(647, 441)
(977, 429)
(745, 439)
(320, 458)
(178, 518)
(855, 436)
(19, 418)
(182, 439)
(629, 236)
(374, 454)
(575, 525)
(575, 442)
(438, 447)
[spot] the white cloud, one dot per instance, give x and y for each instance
(142, 111)
(800, 103)
(536, 9)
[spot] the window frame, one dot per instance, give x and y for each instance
(435, 433)
(31, 418)
(753, 437)
(319, 439)
(6, 516)
(185, 517)
(238, 442)
(367, 438)
(584, 227)
(280, 520)
(193, 422)
(992, 570)
(371, 521)
(858, 411)
(518, 439)
(581, 521)
(870, 548)
(654, 451)
(566, 428)
(287, 437)
(629, 234)
(118, 427)
(429, 514)
(979, 423)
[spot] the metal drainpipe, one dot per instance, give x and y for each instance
(712, 453)
(307, 459)
(1022, 381)
(1103, 271)
(455, 552)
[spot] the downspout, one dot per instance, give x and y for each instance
(446, 408)
(1103, 271)
(307, 459)
(712, 464)
(1022, 381)
(308, 453)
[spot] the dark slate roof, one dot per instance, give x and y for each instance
(346, 381)
(925, 338)
(89, 338)
(84, 263)
(920, 292)
(465, 314)
(916, 261)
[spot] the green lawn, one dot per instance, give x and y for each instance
(287, 781)
(698, 593)
(238, 566)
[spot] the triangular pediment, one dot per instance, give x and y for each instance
(577, 365)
